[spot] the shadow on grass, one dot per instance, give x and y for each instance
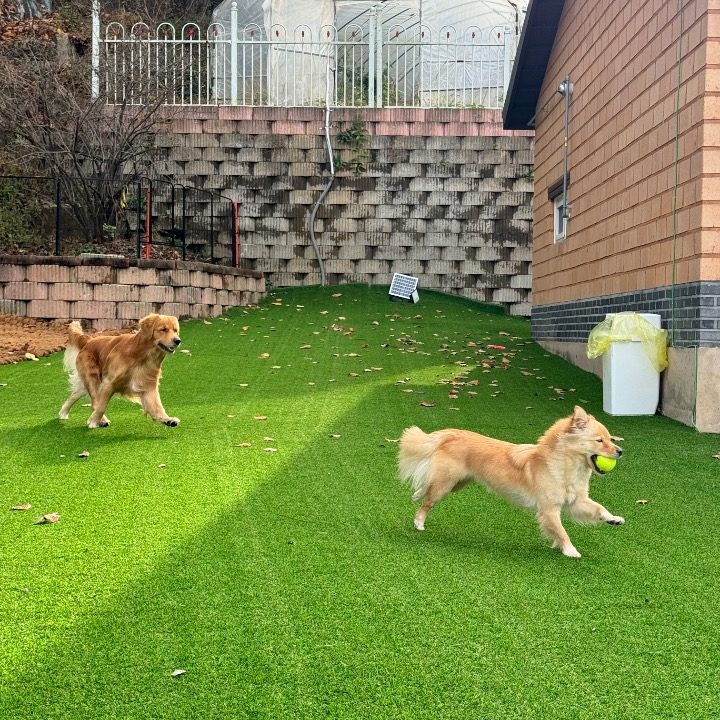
(313, 597)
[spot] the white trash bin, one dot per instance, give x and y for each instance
(631, 385)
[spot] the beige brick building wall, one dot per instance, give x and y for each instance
(622, 59)
(644, 166)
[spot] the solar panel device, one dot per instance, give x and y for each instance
(404, 287)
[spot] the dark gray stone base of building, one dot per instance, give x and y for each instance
(695, 320)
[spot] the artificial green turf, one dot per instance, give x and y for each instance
(291, 584)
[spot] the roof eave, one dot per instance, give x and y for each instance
(528, 73)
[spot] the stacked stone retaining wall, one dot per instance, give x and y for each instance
(444, 195)
(111, 292)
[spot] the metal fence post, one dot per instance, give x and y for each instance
(372, 48)
(95, 81)
(184, 225)
(234, 54)
(379, 61)
(58, 241)
(148, 220)
(507, 58)
(138, 212)
(235, 243)
(212, 230)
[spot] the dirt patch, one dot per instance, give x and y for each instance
(20, 336)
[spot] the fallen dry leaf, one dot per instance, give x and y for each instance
(177, 673)
(641, 502)
(270, 449)
(392, 440)
(207, 322)
(427, 404)
(48, 518)
(332, 435)
(30, 356)
(245, 328)
(84, 454)
(497, 347)
(259, 417)
(717, 457)
(268, 439)
(264, 356)
(244, 445)
(336, 295)
(305, 347)
(24, 506)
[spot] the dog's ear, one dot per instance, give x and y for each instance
(580, 419)
(148, 323)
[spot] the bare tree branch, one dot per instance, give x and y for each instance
(52, 125)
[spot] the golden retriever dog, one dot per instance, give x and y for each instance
(550, 477)
(130, 365)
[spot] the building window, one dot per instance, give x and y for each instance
(560, 219)
(557, 195)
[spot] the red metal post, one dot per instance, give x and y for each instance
(148, 200)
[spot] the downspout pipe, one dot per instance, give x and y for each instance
(326, 190)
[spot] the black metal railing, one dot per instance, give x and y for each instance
(147, 218)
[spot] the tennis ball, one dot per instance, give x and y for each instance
(605, 464)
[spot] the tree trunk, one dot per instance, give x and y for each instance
(26, 9)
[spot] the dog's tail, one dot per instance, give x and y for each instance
(77, 340)
(416, 449)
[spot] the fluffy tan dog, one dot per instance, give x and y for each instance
(549, 477)
(128, 364)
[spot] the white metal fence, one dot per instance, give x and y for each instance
(370, 65)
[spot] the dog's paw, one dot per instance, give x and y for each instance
(615, 520)
(172, 422)
(419, 525)
(571, 552)
(64, 416)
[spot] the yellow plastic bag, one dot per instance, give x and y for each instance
(626, 327)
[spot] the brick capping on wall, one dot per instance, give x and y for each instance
(112, 291)
(697, 314)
